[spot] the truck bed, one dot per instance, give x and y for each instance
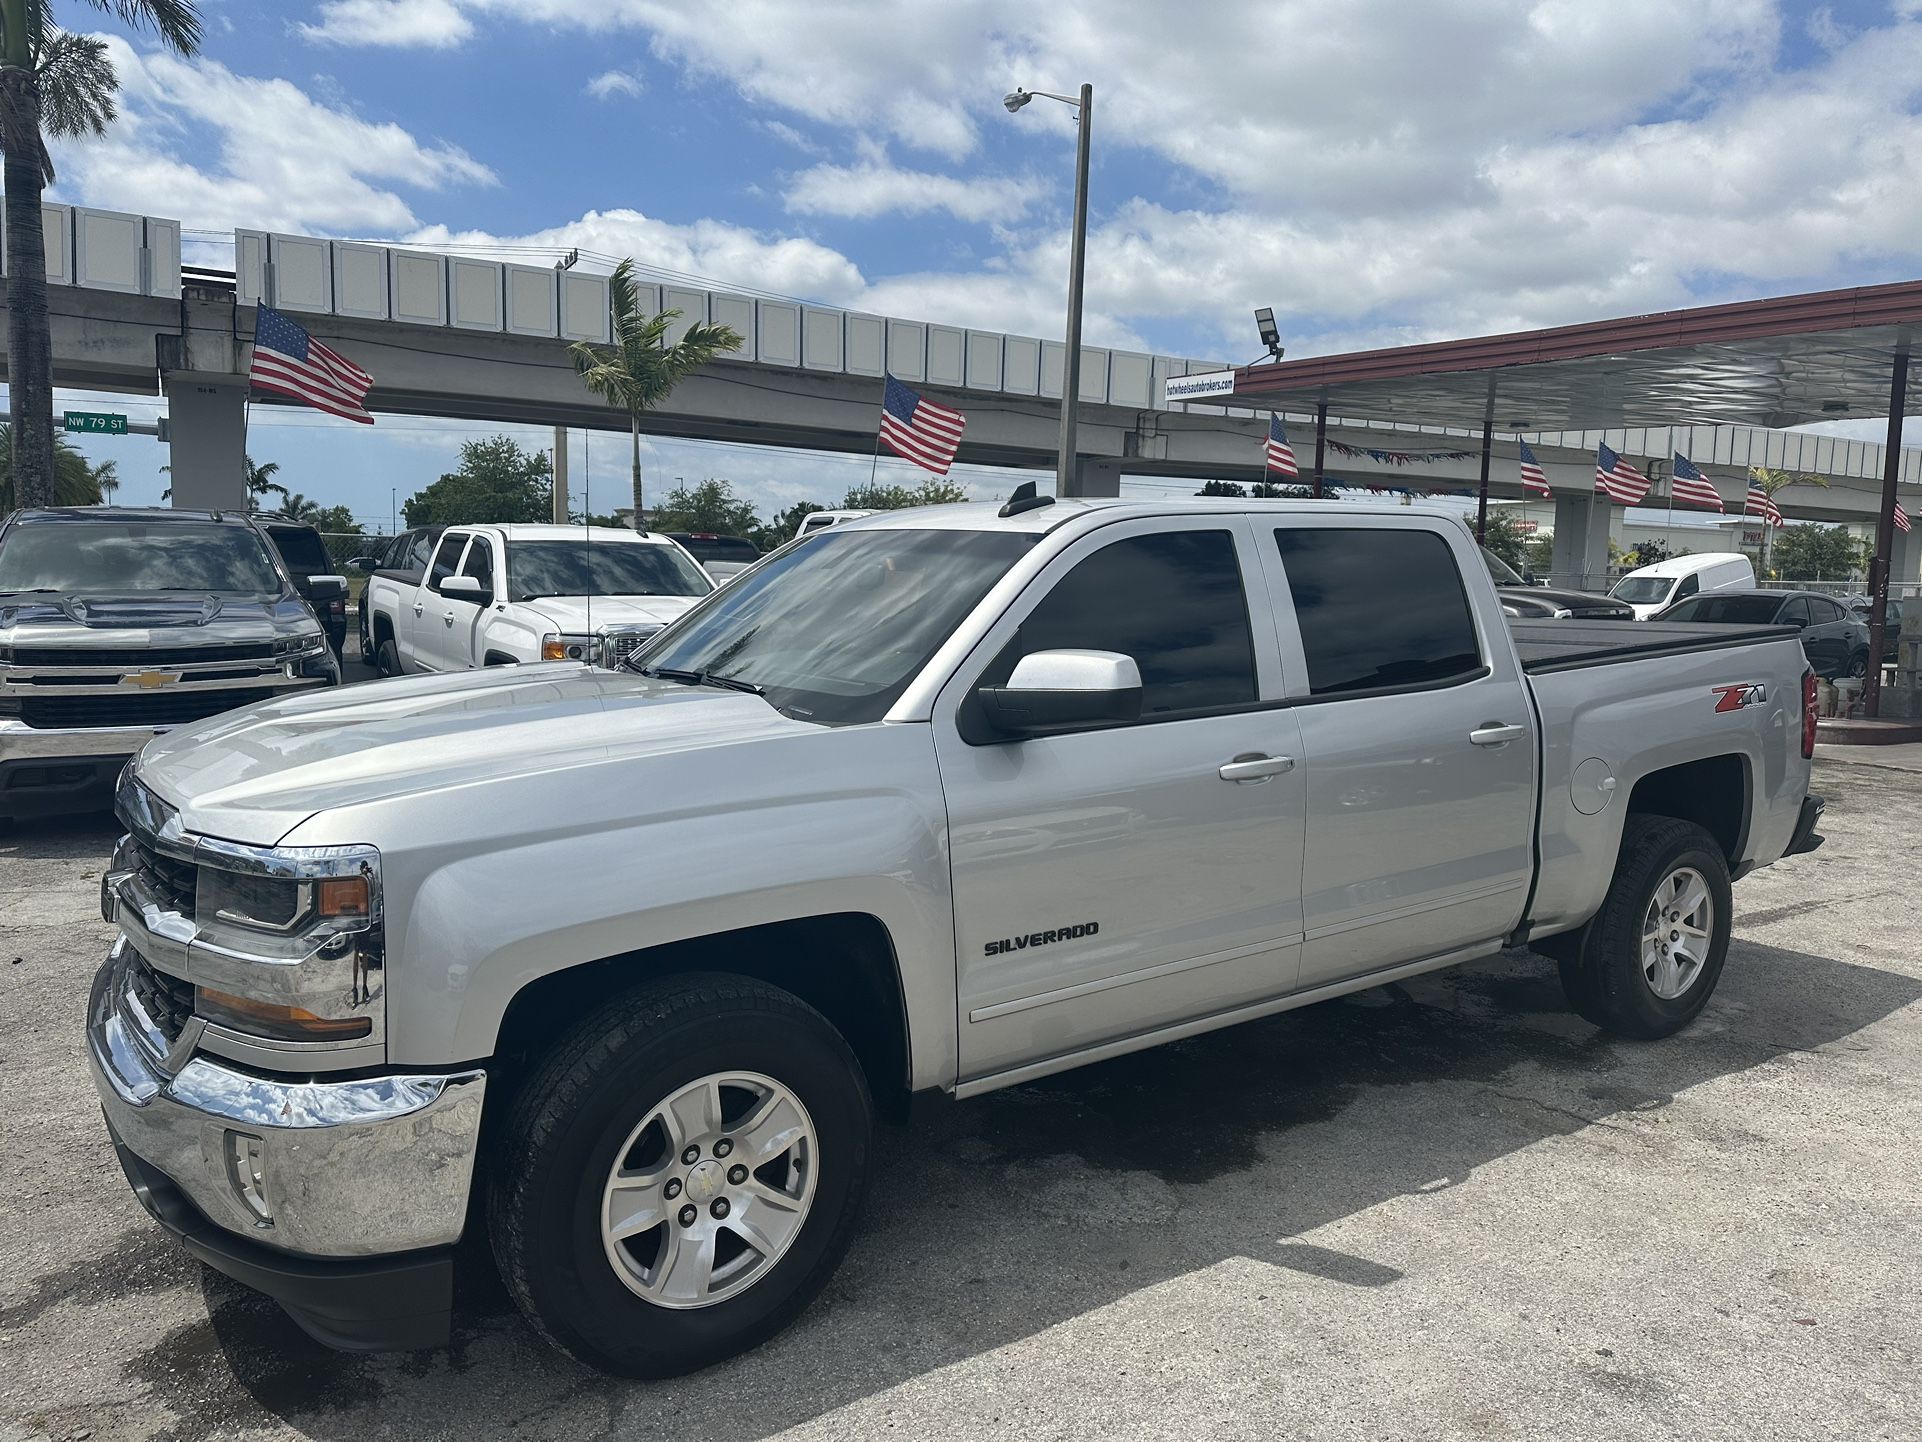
(1548, 646)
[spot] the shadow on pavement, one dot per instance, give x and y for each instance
(995, 1219)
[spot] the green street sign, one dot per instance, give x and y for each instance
(99, 423)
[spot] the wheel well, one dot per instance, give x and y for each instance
(1712, 792)
(842, 965)
(500, 658)
(383, 629)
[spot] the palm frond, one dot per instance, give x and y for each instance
(77, 85)
(176, 22)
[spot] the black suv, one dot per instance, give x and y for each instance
(315, 578)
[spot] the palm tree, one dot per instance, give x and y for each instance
(52, 83)
(1772, 482)
(298, 508)
(641, 368)
(260, 480)
(106, 477)
(75, 483)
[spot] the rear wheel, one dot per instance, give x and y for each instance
(682, 1175)
(1650, 960)
(1859, 664)
(387, 658)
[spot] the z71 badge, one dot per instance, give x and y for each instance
(1734, 698)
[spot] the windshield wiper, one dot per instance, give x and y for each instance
(703, 678)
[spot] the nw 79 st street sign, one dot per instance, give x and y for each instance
(99, 423)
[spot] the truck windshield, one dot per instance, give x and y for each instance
(619, 568)
(1643, 590)
(833, 630)
(132, 557)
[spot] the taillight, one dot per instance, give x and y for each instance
(1808, 714)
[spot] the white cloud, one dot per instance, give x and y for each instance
(875, 188)
(278, 158)
(430, 23)
(610, 83)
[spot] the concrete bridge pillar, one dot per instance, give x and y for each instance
(207, 416)
(1094, 476)
(1905, 556)
(1581, 540)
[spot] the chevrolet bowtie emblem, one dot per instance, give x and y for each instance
(148, 680)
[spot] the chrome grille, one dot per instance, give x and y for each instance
(167, 1000)
(167, 877)
(152, 708)
(617, 646)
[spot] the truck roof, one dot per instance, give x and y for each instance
(986, 516)
(131, 513)
(547, 531)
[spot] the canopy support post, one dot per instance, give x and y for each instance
(1488, 444)
(1885, 530)
(1321, 445)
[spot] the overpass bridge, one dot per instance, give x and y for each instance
(464, 337)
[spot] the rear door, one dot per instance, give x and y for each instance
(1418, 740)
(1111, 881)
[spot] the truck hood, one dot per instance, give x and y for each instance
(161, 619)
(581, 615)
(253, 775)
(1540, 601)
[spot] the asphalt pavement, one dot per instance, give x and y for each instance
(1443, 1209)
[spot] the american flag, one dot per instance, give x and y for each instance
(1534, 478)
(1759, 502)
(1691, 485)
(1617, 479)
(1901, 518)
(288, 360)
(1281, 455)
(918, 429)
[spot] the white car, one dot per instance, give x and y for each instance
(498, 595)
(821, 520)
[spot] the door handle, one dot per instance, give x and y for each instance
(419, 606)
(448, 617)
(1496, 733)
(1255, 767)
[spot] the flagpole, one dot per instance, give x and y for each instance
(875, 463)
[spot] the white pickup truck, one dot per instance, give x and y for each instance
(937, 801)
(498, 595)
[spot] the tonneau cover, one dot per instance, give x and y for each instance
(1570, 645)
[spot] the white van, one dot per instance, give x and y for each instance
(1651, 588)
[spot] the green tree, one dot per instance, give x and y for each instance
(75, 482)
(1774, 482)
(873, 496)
(297, 507)
(497, 481)
(640, 369)
(1809, 552)
(1269, 491)
(782, 526)
(60, 84)
(106, 479)
(1230, 489)
(1503, 536)
(710, 505)
(260, 482)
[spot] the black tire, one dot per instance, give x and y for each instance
(387, 658)
(1859, 664)
(576, 1112)
(1603, 977)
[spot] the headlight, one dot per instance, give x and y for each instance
(280, 903)
(569, 648)
(289, 648)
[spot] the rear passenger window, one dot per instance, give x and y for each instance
(445, 560)
(419, 551)
(1378, 608)
(1172, 601)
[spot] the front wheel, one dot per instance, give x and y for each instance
(681, 1176)
(1650, 959)
(1859, 665)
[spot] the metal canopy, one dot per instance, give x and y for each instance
(1778, 362)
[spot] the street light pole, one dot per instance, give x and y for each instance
(1067, 471)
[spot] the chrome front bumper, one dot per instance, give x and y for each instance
(19, 741)
(345, 1169)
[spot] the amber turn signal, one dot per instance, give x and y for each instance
(284, 1023)
(341, 896)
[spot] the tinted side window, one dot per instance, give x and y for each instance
(480, 563)
(1826, 612)
(1378, 608)
(420, 550)
(1794, 612)
(1173, 601)
(303, 552)
(1690, 585)
(446, 559)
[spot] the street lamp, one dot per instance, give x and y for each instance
(1068, 481)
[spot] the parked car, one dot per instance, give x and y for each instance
(939, 803)
(1521, 597)
(118, 624)
(315, 577)
(720, 556)
(499, 595)
(820, 520)
(1657, 587)
(1834, 641)
(406, 556)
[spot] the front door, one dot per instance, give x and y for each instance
(423, 619)
(1112, 881)
(1419, 743)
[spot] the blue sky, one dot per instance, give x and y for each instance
(1378, 170)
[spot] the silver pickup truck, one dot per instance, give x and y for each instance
(621, 966)
(117, 624)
